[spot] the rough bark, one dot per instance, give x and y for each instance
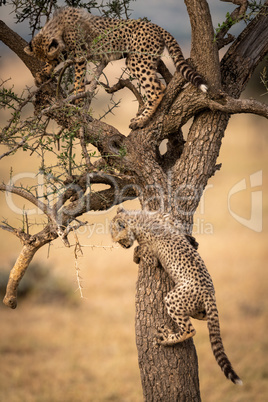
(167, 373)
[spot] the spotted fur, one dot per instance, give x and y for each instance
(193, 294)
(79, 35)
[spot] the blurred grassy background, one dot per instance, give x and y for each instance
(57, 346)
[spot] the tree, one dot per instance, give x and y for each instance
(132, 166)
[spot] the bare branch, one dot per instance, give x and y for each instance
(69, 101)
(24, 237)
(101, 200)
(84, 148)
(221, 42)
(29, 197)
(16, 274)
(187, 104)
(104, 137)
(78, 251)
(233, 106)
(19, 145)
(30, 245)
(61, 73)
(243, 5)
(97, 73)
(50, 212)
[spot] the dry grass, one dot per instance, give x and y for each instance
(79, 350)
(84, 349)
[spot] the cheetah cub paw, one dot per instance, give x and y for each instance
(167, 337)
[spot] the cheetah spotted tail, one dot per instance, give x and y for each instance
(181, 64)
(216, 341)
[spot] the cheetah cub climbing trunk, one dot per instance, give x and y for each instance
(162, 241)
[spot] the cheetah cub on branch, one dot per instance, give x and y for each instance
(193, 294)
(78, 35)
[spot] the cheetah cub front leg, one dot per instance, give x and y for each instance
(142, 252)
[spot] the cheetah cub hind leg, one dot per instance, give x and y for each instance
(178, 310)
(167, 337)
(147, 111)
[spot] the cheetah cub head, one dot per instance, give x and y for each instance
(121, 231)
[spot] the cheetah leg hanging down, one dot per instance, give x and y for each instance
(178, 313)
(144, 69)
(80, 72)
(79, 82)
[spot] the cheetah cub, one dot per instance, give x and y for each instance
(193, 294)
(80, 36)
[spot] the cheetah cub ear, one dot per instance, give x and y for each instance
(55, 48)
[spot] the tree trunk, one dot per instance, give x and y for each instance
(167, 373)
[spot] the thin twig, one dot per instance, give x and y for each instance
(19, 145)
(62, 71)
(84, 148)
(78, 250)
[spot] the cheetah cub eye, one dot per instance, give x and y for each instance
(121, 225)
